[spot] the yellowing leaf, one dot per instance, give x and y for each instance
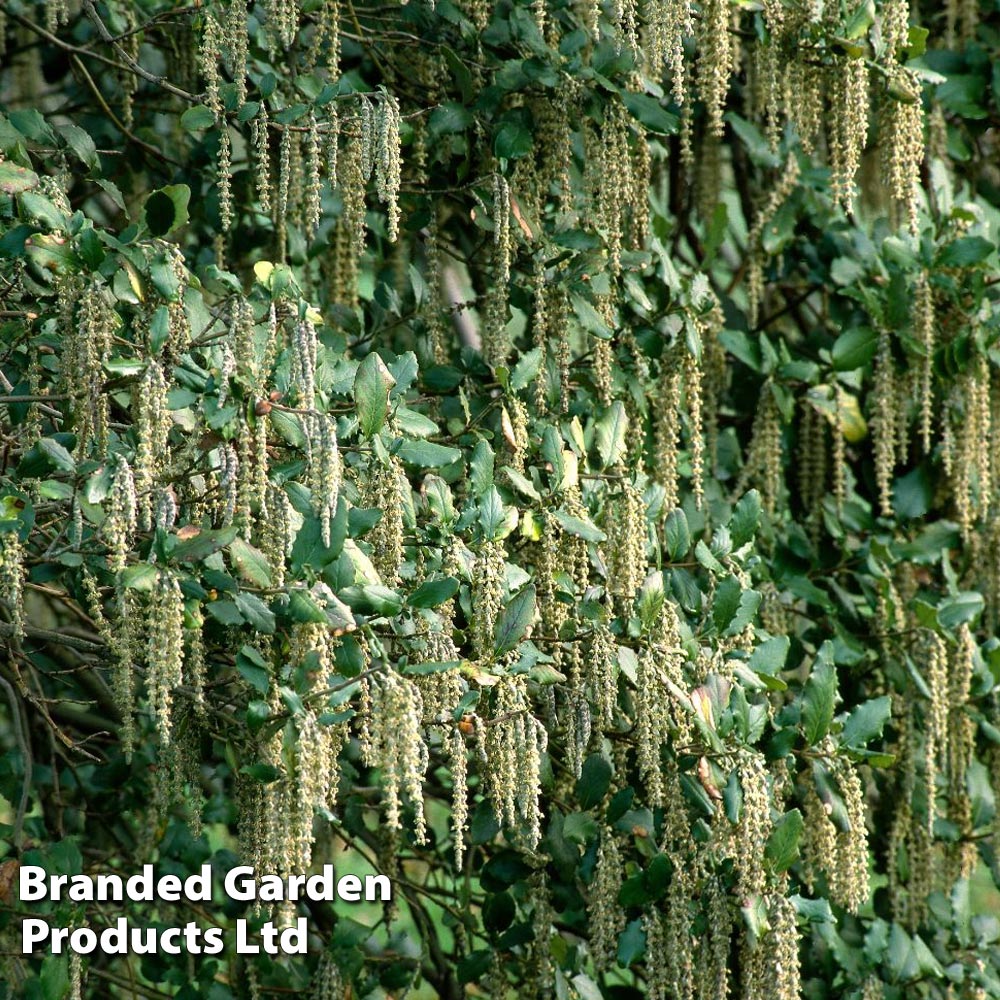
(852, 422)
(134, 280)
(702, 704)
(530, 527)
(507, 426)
(571, 471)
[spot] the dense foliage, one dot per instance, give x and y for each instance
(548, 452)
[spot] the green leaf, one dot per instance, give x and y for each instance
(499, 911)
(866, 722)
(755, 916)
(412, 423)
(913, 494)
(80, 143)
(302, 607)
(432, 593)
(141, 576)
(964, 93)
(963, 607)
(651, 113)
(504, 869)
(492, 513)
(908, 958)
(580, 827)
(225, 612)
(512, 141)
(338, 615)
(197, 118)
(431, 667)
(610, 434)
(264, 773)
(783, 844)
(253, 669)
(51, 455)
(526, 370)
(449, 118)
(746, 517)
(584, 529)
(749, 603)
(631, 944)
(31, 123)
(427, 454)
(251, 564)
(255, 612)
(166, 209)
(41, 210)
(204, 544)
(308, 549)
(676, 535)
(965, 252)
(860, 21)
(818, 698)
(514, 621)
(770, 656)
(373, 598)
(54, 977)
(846, 271)
(258, 712)
(594, 780)
(481, 468)
(854, 348)
(163, 278)
(293, 702)
(521, 483)
(371, 393)
(590, 319)
(816, 911)
(758, 148)
(586, 988)
(726, 602)
(916, 42)
(704, 556)
(472, 967)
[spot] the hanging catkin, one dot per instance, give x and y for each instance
(901, 139)
(884, 420)
(847, 128)
(388, 166)
(716, 60)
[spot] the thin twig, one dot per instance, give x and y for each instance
(131, 136)
(64, 45)
(159, 81)
(49, 635)
(32, 399)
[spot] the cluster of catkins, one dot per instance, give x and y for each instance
(933, 764)
(309, 147)
(401, 719)
(823, 92)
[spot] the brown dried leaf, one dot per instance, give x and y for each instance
(8, 871)
(516, 209)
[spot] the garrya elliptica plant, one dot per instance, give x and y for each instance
(547, 452)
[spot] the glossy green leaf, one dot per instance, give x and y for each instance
(818, 699)
(167, 209)
(514, 621)
(371, 393)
